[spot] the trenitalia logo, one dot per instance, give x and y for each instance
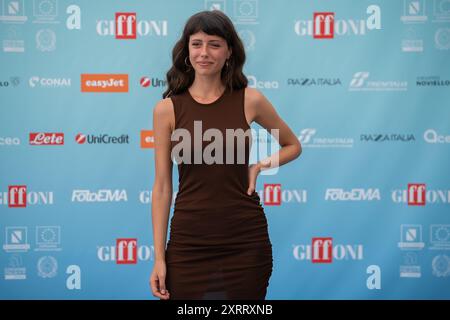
(322, 251)
(104, 83)
(324, 25)
(18, 197)
(46, 139)
(126, 26)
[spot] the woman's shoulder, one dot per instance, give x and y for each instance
(253, 94)
(253, 97)
(163, 104)
(164, 107)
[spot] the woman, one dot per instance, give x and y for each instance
(219, 246)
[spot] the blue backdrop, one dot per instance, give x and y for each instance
(364, 213)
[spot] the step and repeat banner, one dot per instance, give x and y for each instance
(364, 213)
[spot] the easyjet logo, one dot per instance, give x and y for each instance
(104, 83)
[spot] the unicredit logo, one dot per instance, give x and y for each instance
(101, 139)
(46, 138)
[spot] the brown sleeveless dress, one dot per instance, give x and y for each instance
(219, 247)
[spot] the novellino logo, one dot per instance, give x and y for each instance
(387, 137)
(314, 82)
(126, 26)
(101, 139)
(322, 250)
(126, 251)
(9, 141)
(102, 195)
(49, 82)
(432, 81)
(146, 82)
(325, 26)
(307, 140)
(431, 136)
(357, 194)
(18, 197)
(262, 84)
(419, 195)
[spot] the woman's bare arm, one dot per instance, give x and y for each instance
(263, 113)
(163, 121)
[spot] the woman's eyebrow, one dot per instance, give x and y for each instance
(216, 40)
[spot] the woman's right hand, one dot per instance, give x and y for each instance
(158, 281)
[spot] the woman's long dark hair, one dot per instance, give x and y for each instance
(180, 76)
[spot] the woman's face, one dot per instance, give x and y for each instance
(207, 53)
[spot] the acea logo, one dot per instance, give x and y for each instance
(9, 141)
(432, 136)
(322, 250)
(126, 251)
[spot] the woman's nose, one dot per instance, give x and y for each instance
(203, 51)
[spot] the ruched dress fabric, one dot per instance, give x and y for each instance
(219, 246)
